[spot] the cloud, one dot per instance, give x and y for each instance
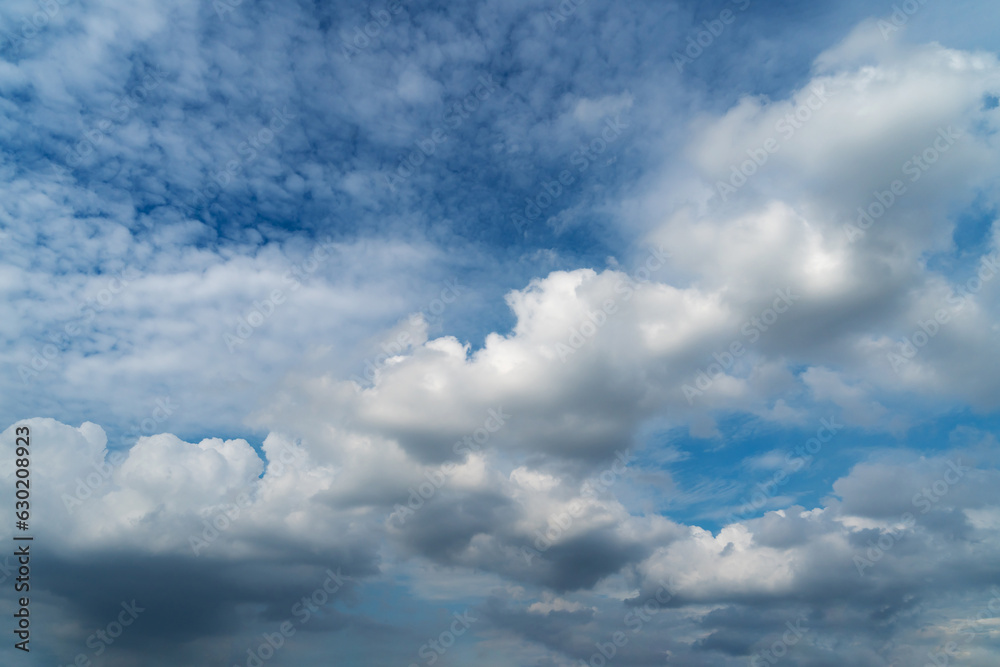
(260, 327)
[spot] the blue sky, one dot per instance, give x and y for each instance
(515, 310)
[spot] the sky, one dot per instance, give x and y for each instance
(510, 333)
